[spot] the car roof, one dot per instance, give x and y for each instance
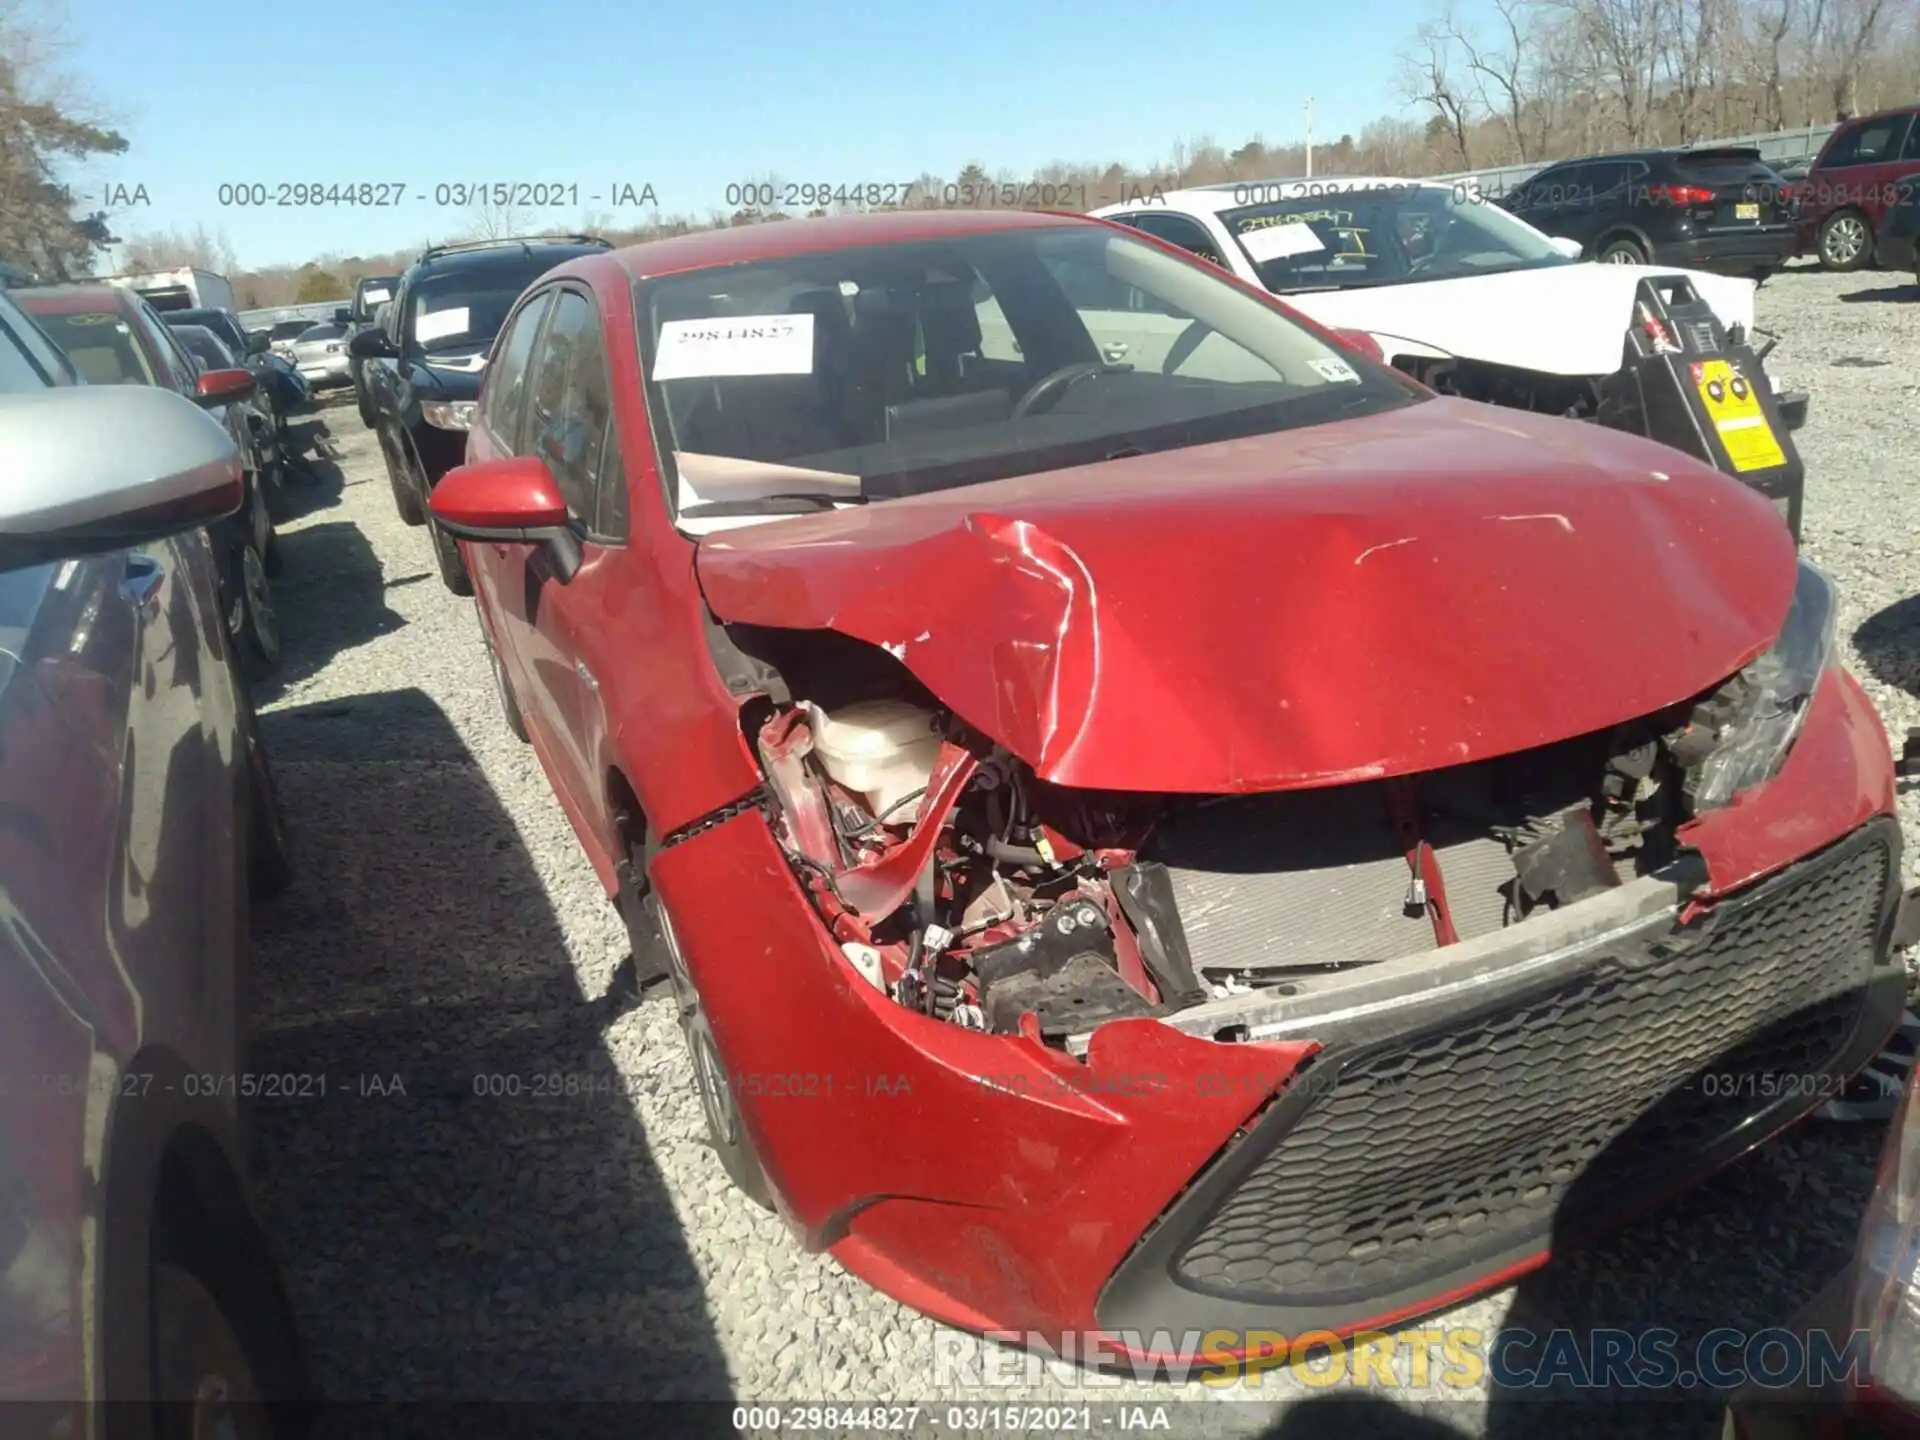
(776, 239)
(1236, 194)
(76, 299)
(503, 257)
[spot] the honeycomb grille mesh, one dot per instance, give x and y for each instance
(1432, 1151)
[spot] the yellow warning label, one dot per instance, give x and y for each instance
(1737, 418)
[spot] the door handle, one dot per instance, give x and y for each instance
(586, 675)
(140, 585)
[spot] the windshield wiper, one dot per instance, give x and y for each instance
(797, 502)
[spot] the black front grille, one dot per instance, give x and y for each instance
(1426, 1154)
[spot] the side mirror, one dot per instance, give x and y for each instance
(224, 387)
(107, 467)
(508, 502)
(370, 345)
(1360, 342)
(258, 342)
(1572, 249)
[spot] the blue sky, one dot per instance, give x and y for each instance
(685, 98)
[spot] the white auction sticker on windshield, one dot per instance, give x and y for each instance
(1277, 242)
(1337, 371)
(374, 297)
(735, 345)
(438, 324)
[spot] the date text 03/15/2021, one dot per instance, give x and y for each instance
(134, 1084)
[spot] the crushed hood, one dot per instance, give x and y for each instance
(1439, 584)
(1562, 320)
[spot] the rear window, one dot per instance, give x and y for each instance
(323, 332)
(101, 346)
(291, 329)
(1718, 167)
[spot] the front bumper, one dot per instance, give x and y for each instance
(1433, 1148)
(1435, 1145)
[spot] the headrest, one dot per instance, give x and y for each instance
(949, 322)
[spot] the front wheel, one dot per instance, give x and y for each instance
(655, 946)
(406, 499)
(1845, 244)
(252, 625)
(446, 554)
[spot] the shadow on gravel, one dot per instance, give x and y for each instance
(313, 479)
(1900, 294)
(330, 597)
(1888, 643)
(470, 1211)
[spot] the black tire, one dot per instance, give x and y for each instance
(446, 554)
(650, 934)
(275, 562)
(252, 626)
(1622, 250)
(509, 707)
(224, 1338)
(1845, 242)
(270, 869)
(406, 499)
(368, 416)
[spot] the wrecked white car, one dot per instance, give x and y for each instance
(1454, 291)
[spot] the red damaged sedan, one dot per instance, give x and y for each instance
(1155, 821)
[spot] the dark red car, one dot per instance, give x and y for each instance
(1227, 839)
(1867, 167)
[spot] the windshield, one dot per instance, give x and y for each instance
(891, 370)
(465, 312)
(206, 347)
(101, 346)
(1303, 235)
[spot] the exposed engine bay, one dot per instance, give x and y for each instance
(961, 885)
(1576, 397)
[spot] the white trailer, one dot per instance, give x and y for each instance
(182, 289)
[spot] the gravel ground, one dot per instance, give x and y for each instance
(448, 1244)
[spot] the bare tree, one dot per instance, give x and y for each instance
(170, 249)
(1428, 78)
(1625, 43)
(494, 217)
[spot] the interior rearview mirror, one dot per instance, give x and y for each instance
(108, 467)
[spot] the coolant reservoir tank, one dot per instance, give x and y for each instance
(882, 749)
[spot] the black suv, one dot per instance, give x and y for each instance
(423, 370)
(369, 293)
(1720, 208)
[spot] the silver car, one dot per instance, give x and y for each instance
(138, 820)
(320, 355)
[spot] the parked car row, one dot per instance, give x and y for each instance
(110, 335)
(142, 823)
(1724, 208)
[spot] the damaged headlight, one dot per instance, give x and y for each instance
(1755, 717)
